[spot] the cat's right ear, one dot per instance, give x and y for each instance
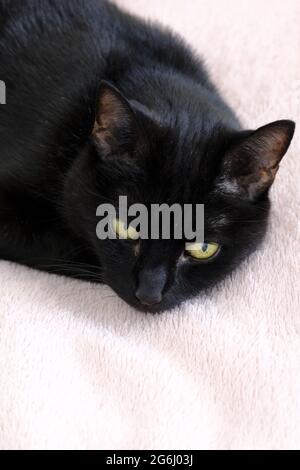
(116, 129)
(250, 166)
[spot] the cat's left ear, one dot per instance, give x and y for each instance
(116, 129)
(250, 166)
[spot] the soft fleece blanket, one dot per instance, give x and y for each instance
(80, 369)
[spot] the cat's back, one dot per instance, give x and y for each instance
(41, 33)
(55, 38)
(53, 55)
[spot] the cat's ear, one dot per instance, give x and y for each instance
(116, 130)
(250, 165)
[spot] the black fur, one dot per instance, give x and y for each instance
(175, 140)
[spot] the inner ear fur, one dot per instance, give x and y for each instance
(250, 165)
(116, 129)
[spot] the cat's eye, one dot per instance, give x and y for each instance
(202, 251)
(129, 233)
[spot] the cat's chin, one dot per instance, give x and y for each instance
(167, 304)
(154, 309)
(170, 301)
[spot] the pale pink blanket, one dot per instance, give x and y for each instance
(81, 369)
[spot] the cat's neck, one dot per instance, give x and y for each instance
(165, 92)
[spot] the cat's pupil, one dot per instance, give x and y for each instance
(204, 247)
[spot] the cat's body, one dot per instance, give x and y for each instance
(57, 165)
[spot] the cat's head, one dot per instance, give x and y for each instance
(175, 158)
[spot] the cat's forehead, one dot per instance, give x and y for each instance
(181, 176)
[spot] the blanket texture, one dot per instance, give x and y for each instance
(80, 369)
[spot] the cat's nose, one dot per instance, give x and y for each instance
(151, 283)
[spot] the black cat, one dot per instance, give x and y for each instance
(101, 104)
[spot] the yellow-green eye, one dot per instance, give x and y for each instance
(202, 251)
(128, 233)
